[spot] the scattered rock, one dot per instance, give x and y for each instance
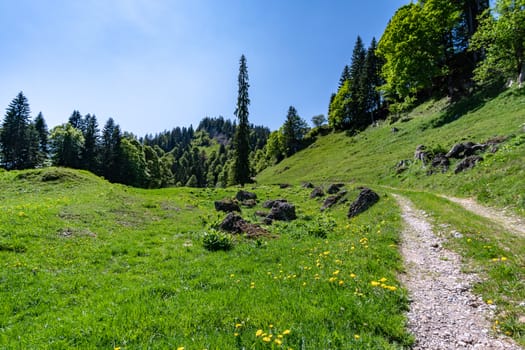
(467, 163)
(440, 161)
(334, 188)
(250, 203)
(307, 185)
(245, 195)
(462, 150)
(282, 211)
(234, 223)
(317, 192)
(333, 200)
(227, 205)
(402, 166)
(421, 154)
(282, 186)
(270, 203)
(394, 130)
(365, 200)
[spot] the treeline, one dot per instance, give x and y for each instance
(180, 157)
(430, 48)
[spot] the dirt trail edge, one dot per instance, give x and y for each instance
(509, 222)
(444, 314)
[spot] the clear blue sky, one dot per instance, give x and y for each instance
(156, 64)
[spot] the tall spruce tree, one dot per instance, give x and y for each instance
(111, 136)
(294, 129)
(15, 134)
(42, 134)
(241, 167)
(90, 151)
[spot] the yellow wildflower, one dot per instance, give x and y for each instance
(235, 334)
(341, 282)
(353, 275)
(266, 339)
(238, 325)
(180, 348)
(357, 336)
(503, 258)
(383, 280)
(490, 302)
(278, 341)
(286, 332)
(375, 283)
(336, 272)
(259, 333)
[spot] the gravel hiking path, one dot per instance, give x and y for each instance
(444, 313)
(511, 222)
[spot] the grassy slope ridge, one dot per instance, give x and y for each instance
(87, 264)
(371, 156)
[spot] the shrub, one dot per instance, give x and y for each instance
(216, 240)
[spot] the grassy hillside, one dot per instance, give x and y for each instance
(87, 264)
(371, 156)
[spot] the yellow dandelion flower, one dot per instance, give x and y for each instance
(336, 272)
(232, 275)
(353, 275)
(117, 348)
(490, 302)
(341, 282)
(259, 333)
(266, 339)
(304, 284)
(278, 341)
(503, 258)
(280, 336)
(357, 336)
(235, 334)
(332, 279)
(392, 288)
(383, 280)
(375, 283)
(271, 326)
(180, 348)
(238, 325)
(287, 331)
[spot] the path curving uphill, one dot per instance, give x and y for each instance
(510, 222)
(444, 313)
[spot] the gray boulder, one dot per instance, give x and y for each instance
(365, 200)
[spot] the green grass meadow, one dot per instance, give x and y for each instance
(86, 264)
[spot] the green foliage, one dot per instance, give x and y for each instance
(415, 46)
(357, 99)
(339, 115)
(501, 36)
(66, 144)
(217, 240)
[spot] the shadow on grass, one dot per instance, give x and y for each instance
(466, 105)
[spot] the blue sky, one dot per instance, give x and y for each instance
(156, 64)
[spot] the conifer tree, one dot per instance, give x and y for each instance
(90, 151)
(42, 131)
(111, 136)
(294, 129)
(15, 134)
(241, 167)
